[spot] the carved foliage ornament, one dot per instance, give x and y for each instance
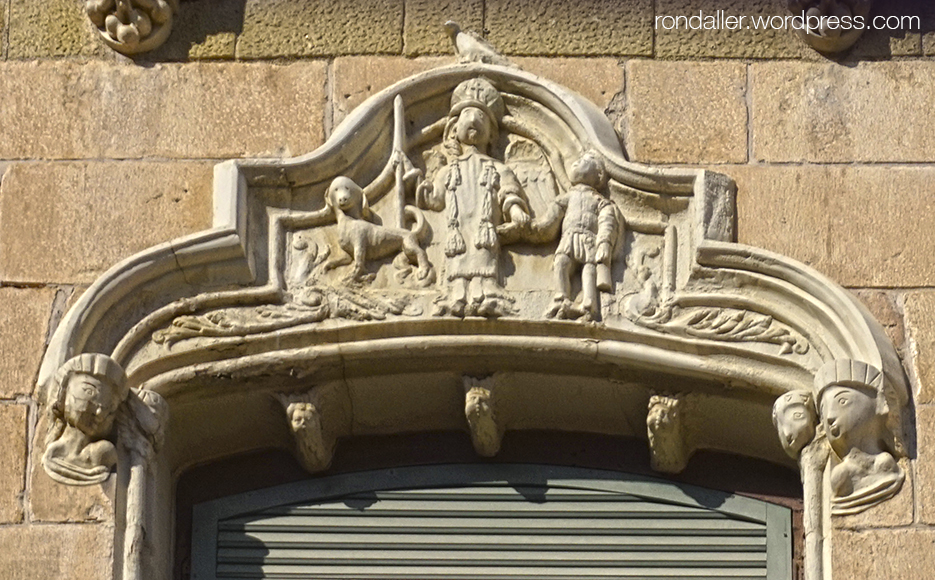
(132, 26)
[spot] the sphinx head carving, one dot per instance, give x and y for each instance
(87, 392)
(860, 416)
(795, 418)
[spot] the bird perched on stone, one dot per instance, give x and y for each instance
(471, 47)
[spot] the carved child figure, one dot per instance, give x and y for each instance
(90, 388)
(859, 421)
(589, 231)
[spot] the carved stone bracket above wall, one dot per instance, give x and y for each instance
(830, 26)
(133, 26)
(477, 220)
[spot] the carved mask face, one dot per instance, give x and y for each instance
(848, 414)
(304, 416)
(90, 405)
(473, 127)
(795, 421)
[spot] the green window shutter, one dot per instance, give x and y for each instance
(500, 522)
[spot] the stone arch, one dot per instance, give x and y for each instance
(226, 332)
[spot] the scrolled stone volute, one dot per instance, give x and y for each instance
(87, 392)
(860, 415)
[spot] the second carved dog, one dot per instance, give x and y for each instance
(362, 239)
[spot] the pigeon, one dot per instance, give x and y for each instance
(471, 47)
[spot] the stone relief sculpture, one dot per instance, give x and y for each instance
(315, 420)
(472, 221)
(589, 225)
(860, 418)
(89, 390)
(471, 47)
(669, 451)
(480, 409)
(132, 26)
(827, 27)
(361, 239)
(314, 451)
(483, 201)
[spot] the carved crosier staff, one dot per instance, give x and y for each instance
(399, 151)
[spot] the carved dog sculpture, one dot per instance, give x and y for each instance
(362, 239)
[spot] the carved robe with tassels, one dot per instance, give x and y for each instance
(476, 192)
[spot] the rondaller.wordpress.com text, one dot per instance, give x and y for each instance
(721, 20)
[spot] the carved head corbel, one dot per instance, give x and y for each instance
(314, 432)
(795, 417)
(860, 415)
(87, 391)
(480, 410)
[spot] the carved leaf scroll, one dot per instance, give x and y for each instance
(727, 324)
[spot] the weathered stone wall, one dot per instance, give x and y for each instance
(103, 156)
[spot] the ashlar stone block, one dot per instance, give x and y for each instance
(686, 112)
(24, 319)
(828, 113)
(597, 79)
(52, 28)
(356, 78)
(920, 319)
(882, 305)
(57, 552)
(92, 110)
(13, 460)
(907, 554)
(856, 224)
(560, 28)
(288, 28)
(207, 29)
(70, 222)
(423, 31)
(925, 462)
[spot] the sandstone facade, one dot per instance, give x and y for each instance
(102, 156)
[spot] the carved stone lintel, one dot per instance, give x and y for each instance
(132, 26)
(480, 409)
(87, 392)
(315, 420)
(830, 26)
(669, 450)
